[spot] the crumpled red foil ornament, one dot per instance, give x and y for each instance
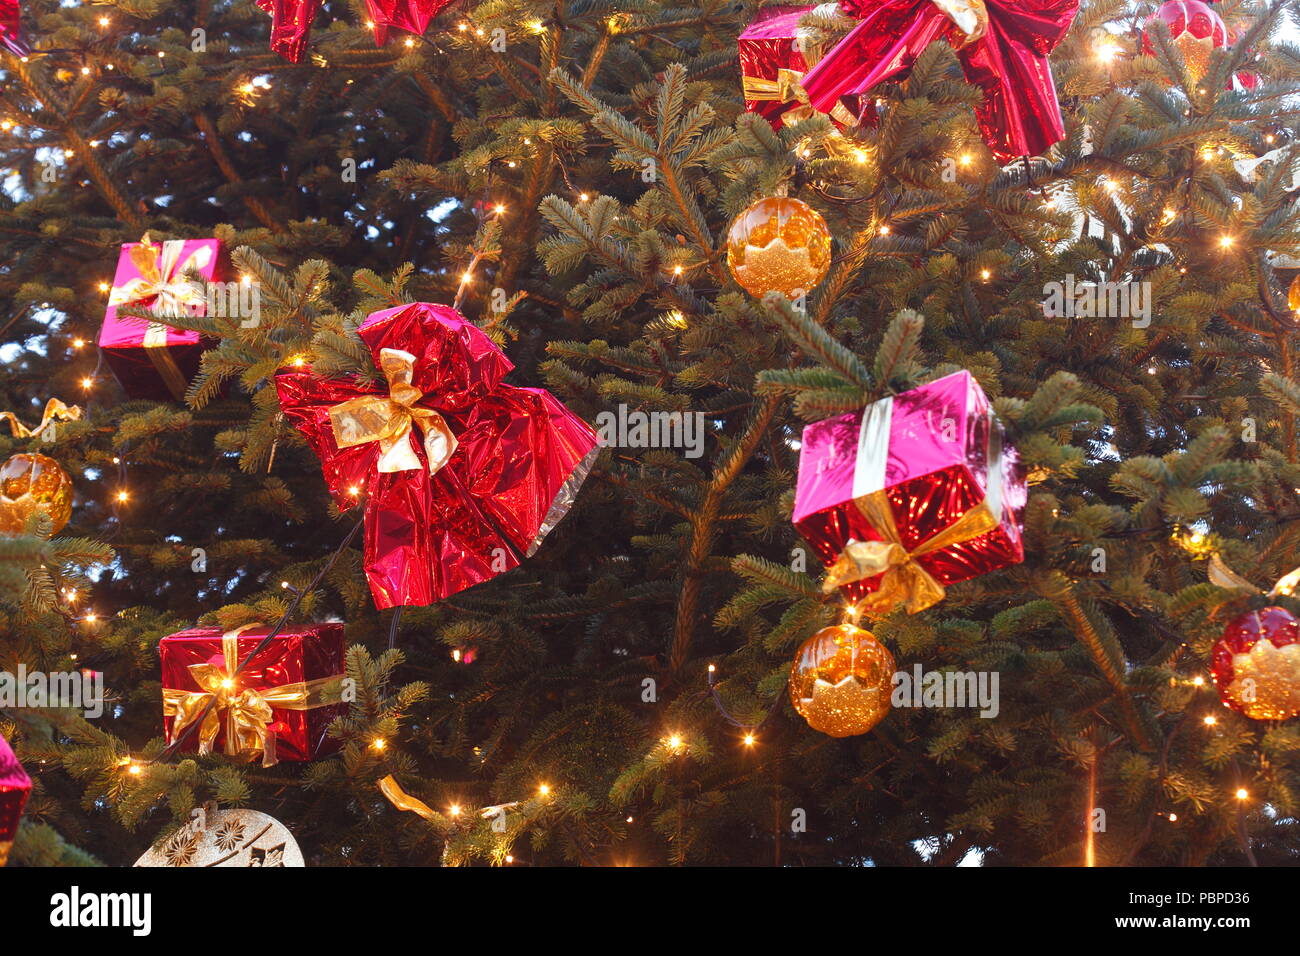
(1002, 45)
(463, 475)
(11, 29)
(413, 16)
(291, 20)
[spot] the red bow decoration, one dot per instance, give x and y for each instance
(291, 20)
(1002, 45)
(11, 29)
(464, 476)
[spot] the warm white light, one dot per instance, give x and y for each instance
(87, 382)
(103, 21)
(749, 740)
(454, 809)
(1226, 241)
(1242, 793)
(884, 229)
(78, 343)
(379, 743)
(985, 274)
(543, 790)
(1198, 680)
(1210, 720)
(410, 41)
(122, 496)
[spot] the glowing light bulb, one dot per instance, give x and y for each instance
(227, 683)
(1107, 50)
(122, 496)
(454, 809)
(410, 41)
(965, 159)
(583, 197)
(544, 790)
(467, 276)
(509, 858)
(91, 617)
(985, 274)
(462, 27)
(87, 382)
(675, 742)
(134, 770)
(884, 229)
(1209, 720)
(629, 819)
(1198, 681)
(78, 343)
(749, 740)
(85, 71)
(379, 743)
(1173, 818)
(354, 490)
(501, 208)
(103, 21)
(712, 668)
(1242, 793)
(677, 270)
(1226, 242)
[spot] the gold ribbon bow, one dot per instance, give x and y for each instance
(390, 420)
(1223, 576)
(247, 713)
(904, 581)
(970, 16)
(55, 410)
(164, 277)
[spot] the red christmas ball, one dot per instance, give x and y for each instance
(1256, 664)
(1196, 29)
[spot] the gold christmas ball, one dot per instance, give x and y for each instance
(842, 680)
(1293, 296)
(32, 483)
(781, 245)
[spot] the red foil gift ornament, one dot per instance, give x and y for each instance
(464, 476)
(775, 53)
(1002, 45)
(279, 705)
(148, 358)
(917, 491)
(15, 787)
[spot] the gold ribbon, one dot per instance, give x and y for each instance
(970, 16)
(390, 420)
(1223, 576)
(163, 276)
(247, 712)
(904, 581)
(399, 798)
(55, 410)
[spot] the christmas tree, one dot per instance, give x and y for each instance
(565, 175)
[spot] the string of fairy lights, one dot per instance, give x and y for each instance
(1108, 51)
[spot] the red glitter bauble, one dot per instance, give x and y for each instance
(1256, 664)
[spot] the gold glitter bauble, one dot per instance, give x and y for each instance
(32, 483)
(781, 245)
(842, 680)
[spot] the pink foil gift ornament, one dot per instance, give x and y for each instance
(463, 475)
(149, 358)
(915, 492)
(15, 787)
(1003, 47)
